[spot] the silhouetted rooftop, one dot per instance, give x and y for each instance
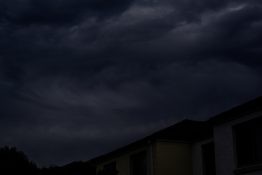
(239, 111)
(190, 131)
(187, 131)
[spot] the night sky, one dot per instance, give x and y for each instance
(79, 78)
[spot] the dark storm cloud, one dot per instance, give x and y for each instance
(75, 73)
(57, 11)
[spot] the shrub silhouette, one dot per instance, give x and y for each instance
(74, 168)
(12, 160)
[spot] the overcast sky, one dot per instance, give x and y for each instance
(79, 78)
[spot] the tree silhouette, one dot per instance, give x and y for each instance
(12, 160)
(74, 168)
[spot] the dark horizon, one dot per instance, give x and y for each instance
(81, 78)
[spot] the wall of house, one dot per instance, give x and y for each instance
(122, 161)
(172, 158)
(164, 158)
(224, 147)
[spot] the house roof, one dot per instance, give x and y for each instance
(190, 131)
(187, 131)
(239, 111)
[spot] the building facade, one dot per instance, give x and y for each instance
(161, 157)
(227, 144)
(235, 147)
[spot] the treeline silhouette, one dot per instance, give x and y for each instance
(13, 161)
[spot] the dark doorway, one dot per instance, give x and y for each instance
(139, 163)
(208, 157)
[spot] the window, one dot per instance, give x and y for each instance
(110, 166)
(109, 169)
(248, 142)
(139, 163)
(208, 158)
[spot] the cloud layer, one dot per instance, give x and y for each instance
(79, 78)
